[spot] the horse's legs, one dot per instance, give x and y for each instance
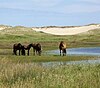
(19, 52)
(28, 52)
(23, 52)
(64, 52)
(39, 53)
(33, 51)
(15, 51)
(60, 52)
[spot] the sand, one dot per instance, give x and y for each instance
(1, 28)
(67, 30)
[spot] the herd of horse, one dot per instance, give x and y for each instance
(18, 46)
(37, 49)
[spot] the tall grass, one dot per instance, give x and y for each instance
(34, 75)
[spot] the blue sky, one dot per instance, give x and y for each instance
(49, 12)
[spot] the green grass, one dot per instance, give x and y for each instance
(47, 58)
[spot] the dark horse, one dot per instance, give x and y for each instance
(16, 47)
(62, 47)
(36, 48)
(28, 47)
(23, 50)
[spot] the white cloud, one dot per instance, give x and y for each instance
(46, 3)
(91, 1)
(53, 6)
(81, 8)
(29, 4)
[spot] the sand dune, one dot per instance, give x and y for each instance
(67, 30)
(1, 28)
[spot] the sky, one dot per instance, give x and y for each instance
(35, 13)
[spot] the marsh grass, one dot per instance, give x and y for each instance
(34, 75)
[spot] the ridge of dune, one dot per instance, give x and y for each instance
(67, 30)
(2, 28)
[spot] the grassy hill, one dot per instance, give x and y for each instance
(26, 35)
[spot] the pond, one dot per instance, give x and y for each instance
(94, 51)
(82, 62)
(90, 51)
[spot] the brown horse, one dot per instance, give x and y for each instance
(28, 47)
(23, 50)
(62, 47)
(37, 49)
(16, 47)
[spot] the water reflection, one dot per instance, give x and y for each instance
(52, 64)
(95, 51)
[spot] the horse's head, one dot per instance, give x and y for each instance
(39, 49)
(62, 45)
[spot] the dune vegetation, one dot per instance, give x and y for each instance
(28, 72)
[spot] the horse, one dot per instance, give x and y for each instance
(37, 49)
(62, 47)
(23, 50)
(16, 47)
(28, 47)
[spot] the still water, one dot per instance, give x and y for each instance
(95, 51)
(82, 62)
(89, 51)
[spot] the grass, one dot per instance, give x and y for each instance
(32, 75)
(28, 72)
(48, 58)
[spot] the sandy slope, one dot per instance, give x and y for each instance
(1, 28)
(67, 30)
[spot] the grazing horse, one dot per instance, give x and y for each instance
(16, 47)
(23, 50)
(37, 48)
(62, 47)
(28, 47)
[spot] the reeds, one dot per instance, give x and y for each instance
(34, 75)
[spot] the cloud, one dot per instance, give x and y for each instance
(53, 6)
(92, 1)
(46, 3)
(29, 4)
(78, 8)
